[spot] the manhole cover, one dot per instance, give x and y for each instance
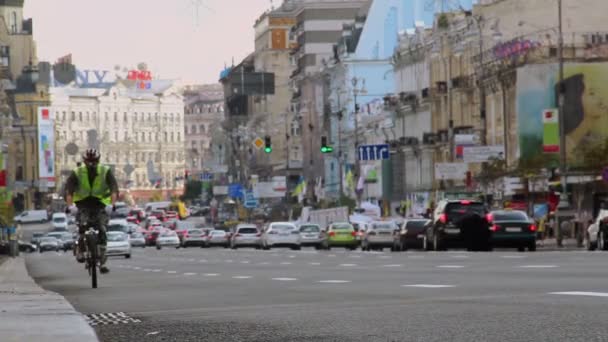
(110, 318)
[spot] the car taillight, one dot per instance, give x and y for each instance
(495, 228)
(354, 233)
(332, 233)
(490, 217)
(465, 202)
(443, 218)
(532, 228)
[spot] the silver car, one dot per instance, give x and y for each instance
(49, 243)
(218, 238)
(246, 235)
(281, 234)
(118, 245)
(194, 237)
(310, 235)
(137, 239)
(167, 238)
(379, 235)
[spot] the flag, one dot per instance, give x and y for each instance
(299, 187)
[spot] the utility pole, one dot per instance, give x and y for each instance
(561, 116)
(355, 81)
(482, 89)
(340, 168)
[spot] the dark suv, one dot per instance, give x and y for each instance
(459, 224)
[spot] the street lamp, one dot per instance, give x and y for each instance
(356, 91)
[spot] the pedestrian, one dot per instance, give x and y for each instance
(541, 229)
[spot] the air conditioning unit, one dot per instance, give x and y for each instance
(429, 138)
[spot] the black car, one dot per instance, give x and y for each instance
(459, 224)
(514, 229)
(27, 247)
(411, 234)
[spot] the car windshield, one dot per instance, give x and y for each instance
(55, 236)
(59, 220)
(458, 210)
(248, 230)
(383, 225)
(342, 226)
(117, 237)
(48, 239)
(415, 224)
(509, 216)
(168, 234)
(185, 225)
(195, 232)
(117, 228)
(137, 236)
(218, 232)
(282, 227)
(309, 229)
(37, 235)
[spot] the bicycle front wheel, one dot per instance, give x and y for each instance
(93, 258)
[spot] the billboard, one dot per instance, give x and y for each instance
(46, 146)
(586, 85)
(452, 171)
(480, 154)
(550, 131)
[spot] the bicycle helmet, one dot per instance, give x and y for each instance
(91, 156)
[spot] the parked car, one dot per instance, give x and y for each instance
(218, 238)
(159, 214)
(48, 243)
(27, 247)
(341, 234)
(138, 214)
(593, 233)
(32, 216)
(194, 237)
(137, 239)
(460, 224)
(60, 221)
(121, 212)
(36, 238)
(171, 215)
(412, 233)
(310, 235)
(246, 235)
(512, 228)
(68, 241)
(118, 244)
(167, 238)
(379, 235)
(281, 234)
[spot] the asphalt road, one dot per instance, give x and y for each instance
(281, 295)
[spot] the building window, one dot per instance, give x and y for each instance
(193, 129)
(295, 129)
(157, 136)
(186, 129)
(165, 137)
(80, 116)
(143, 137)
(179, 137)
(115, 135)
(126, 136)
(149, 116)
(172, 136)
(14, 22)
(115, 117)
(125, 118)
(202, 129)
(63, 116)
(73, 117)
(135, 117)
(107, 117)
(150, 136)
(194, 145)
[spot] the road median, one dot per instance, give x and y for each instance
(29, 313)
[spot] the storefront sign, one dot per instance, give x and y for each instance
(46, 145)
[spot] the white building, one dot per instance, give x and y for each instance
(139, 132)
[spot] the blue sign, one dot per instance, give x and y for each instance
(250, 200)
(373, 152)
(206, 177)
(235, 190)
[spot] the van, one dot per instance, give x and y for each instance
(32, 216)
(60, 221)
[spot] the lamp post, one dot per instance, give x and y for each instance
(356, 91)
(561, 115)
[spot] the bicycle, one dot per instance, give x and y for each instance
(91, 252)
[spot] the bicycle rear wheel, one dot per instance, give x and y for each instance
(93, 257)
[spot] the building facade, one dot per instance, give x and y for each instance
(140, 133)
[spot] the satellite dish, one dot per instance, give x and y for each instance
(71, 149)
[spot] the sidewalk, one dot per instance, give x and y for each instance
(551, 245)
(29, 313)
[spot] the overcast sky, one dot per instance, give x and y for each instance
(163, 33)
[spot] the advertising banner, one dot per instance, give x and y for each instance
(453, 171)
(550, 131)
(480, 154)
(46, 146)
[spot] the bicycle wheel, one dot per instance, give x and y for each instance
(92, 246)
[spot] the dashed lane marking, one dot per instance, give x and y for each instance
(334, 281)
(147, 270)
(512, 256)
(245, 262)
(581, 293)
(157, 270)
(137, 268)
(172, 272)
(348, 265)
(450, 266)
(211, 274)
(189, 273)
(393, 265)
(285, 279)
(285, 263)
(538, 266)
(241, 277)
(428, 286)
(203, 260)
(314, 263)
(264, 263)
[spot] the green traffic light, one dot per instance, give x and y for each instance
(267, 149)
(327, 149)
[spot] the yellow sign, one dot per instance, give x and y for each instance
(259, 143)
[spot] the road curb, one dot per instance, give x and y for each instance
(30, 313)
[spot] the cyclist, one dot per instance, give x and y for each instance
(92, 187)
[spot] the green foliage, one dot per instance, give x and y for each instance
(593, 155)
(492, 171)
(442, 21)
(194, 189)
(533, 165)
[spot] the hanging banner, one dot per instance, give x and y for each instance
(550, 131)
(46, 146)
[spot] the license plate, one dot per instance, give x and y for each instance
(452, 230)
(420, 236)
(513, 230)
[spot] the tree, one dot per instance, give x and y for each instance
(592, 155)
(194, 189)
(491, 171)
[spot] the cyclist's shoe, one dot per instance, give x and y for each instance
(104, 269)
(80, 257)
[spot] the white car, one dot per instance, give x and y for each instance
(48, 243)
(167, 238)
(246, 235)
(60, 221)
(118, 245)
(118, 225)
(32, 216)
(281, 234)
(593, 231)
(137, 239)
(378, 235)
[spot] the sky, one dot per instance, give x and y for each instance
(163, 33)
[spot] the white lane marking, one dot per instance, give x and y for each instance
(354, 256)
(172, 272)
(331, 255)
(512, 256)
(428, 286)
(157, 270)
(348, 265)
(241, 277)
(285, 279)
(334, 281)
(147, 270)
(314, 263)
(458, 256)
(581, 293)
(203, 260)
(285, 263)
(393, 265)
(137, 268)
(385, 257)
(191, 260)
(189, 273)
(415, 257)
(211, 274)
(228, 261)
(245, 262)
(538, 266)
(450, 266)
(292, 256)
(264, 263)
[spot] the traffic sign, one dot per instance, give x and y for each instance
(250, 200)
(206, 177)
(258, 142)
(373, 152)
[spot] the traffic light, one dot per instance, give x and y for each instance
(267, 145)
(324, 147)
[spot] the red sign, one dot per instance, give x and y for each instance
(139, 75)
(45, 114)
